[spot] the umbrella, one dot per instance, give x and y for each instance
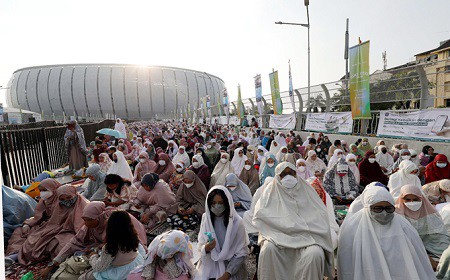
(112, 132)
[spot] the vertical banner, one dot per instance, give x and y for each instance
(208, 106)
(258, 93)
(240, 105)
(275, 90)
(360, 81)
(202, 111)
(1, 112)
(205, 110)
(188, 112)
(291, 88)
(225, 104)
(194, 115)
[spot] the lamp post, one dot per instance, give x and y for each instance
(307, 25)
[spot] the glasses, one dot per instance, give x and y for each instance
(379, 209)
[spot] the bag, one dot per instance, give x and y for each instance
(72, 268)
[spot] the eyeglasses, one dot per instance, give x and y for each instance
(379, 209)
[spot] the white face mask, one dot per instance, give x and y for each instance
(364, 143)
(371, 160)
(339, 156)
(231, 188)
(406, 157)
(189, 185)
(289, 181)
(301, 169)
(247, 167)
(223, 160)
(196, 164)
(179, 169)
(441, 164)
(142, 159)
(319, 149)
(352, 163)
(414, 205)
(209, 146)
(162, 162)
(271, 164)
(46, 195)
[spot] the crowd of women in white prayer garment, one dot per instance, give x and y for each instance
(244, 191)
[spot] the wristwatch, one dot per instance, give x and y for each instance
(51, 264)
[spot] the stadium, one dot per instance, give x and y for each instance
(123, 90)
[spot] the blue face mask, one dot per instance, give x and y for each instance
(68, 203)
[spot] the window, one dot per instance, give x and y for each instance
(447, 86)
(447, 102)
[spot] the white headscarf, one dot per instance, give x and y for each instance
(403, 177)
(305, 174)
(357, 204)
(120, 126)
(353, 168)
(212, 265)
(199, 159)
(294, 218)
(261, 157)
(238, 162)
(182, 157)
(384, 160)
(274, 150)
(248, 215)
(170, 153)
(315, 165)
(121, 167)
(280, 156)
(221, 170)
(395, 249)
(335, 158)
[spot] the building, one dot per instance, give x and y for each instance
(126, 91)
(438, 72)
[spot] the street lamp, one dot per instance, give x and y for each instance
(307, 25)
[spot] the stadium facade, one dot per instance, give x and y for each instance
(127, 91)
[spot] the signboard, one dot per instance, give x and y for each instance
(426, 124)
(329, 122)
(282, 121)
(360, 81)
(14, 118)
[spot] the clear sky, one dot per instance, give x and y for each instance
(233, 39)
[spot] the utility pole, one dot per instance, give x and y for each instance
(346, 60)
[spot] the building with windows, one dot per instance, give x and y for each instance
(122, 90)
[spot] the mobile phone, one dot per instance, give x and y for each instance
(439, 123)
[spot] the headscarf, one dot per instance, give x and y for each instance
(96, 190)
(403, 177)
(395, 249)
(293, 218)
(353, 168)
(165, 171)
(434, 173)
(238, 162)
(250, 178)
(199, 159)
(433, 191)
(384, 160)
(274, 150)
(212, 153)
(315, 165)
(221, 170)
(365, 148)
(261, 158)
(371, 172)
(241, 193)
(305, 174)
(159, 197)
(195, 195)
(120, 126)
(69, 136)
(335, 158)
(415, 160)
(106, 164)
(172, 152)
(44, 208)
(357, 204)
(143, 168)
(280, 156)
(265, 170)
(336, 185)
(182, 157)
(121, 167)
(234, 246)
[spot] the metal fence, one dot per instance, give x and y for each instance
(28, 152)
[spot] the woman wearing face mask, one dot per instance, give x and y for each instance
(406, 175)
(177, 177)
(340, 183)
(105, 162)
(267, 169)
(378, 237)
(44, 209)
(238, 160)
(424, 218)
(288, 211)
(96, 189)
(274, 147)
(365, 145)
(223, 167)
(119, 192)
(281, 153)
(242, 197)
(145, 165)
(212, 153)
(121, 167)
(438, 169)
(191, 198)
(404, 155)
(164, 167)
(359, 154)
(370, 171)
(353, 167)
(261, 154)
(338, 154)
(154, 201)
(303, 170)
(384, 159)
(64, 222)
(200, 151)
(437, 192)
(224, 251)
(182, 156)
(200, 169)
(250, 176)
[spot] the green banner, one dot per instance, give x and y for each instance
(240, 107)
(360, 81)
(275, 90)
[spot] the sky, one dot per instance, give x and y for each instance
(234, 39)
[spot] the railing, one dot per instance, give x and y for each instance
(28, 152)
